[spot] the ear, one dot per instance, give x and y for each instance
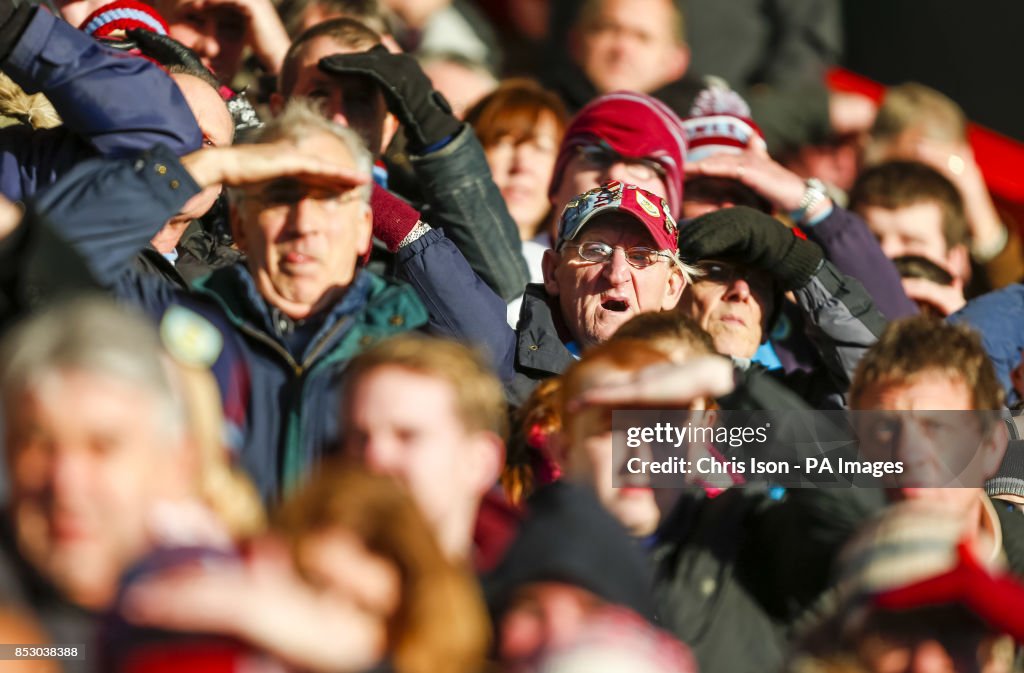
(364, 233)
(276, 103)
(388, 134)
(488, 460)
(993, 449)
(959, 261)
(679, 62)
(673, 290)
(549, 265)
(235, 219)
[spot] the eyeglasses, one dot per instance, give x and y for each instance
(727, 273)
(602, 157)
(638, 257)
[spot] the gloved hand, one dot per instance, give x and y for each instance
(14, 17)
(165, 50)
(423, 112)
(754, 238)
(393, 218)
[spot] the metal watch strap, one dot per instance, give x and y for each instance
(814, 193)
(414, 233)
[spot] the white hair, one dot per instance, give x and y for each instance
(94, 335)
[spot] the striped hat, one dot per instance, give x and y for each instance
(123, 15)
(719, 122)
(637, 127)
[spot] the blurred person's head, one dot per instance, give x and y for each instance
(568, 565)
(918, 592)
(719, 123)
(520, 126)
(96, 434)
(910, 113)
(736, 303)
(360, 538)
(461, 81)
(635, 45)
(629, 137)
(615, 257)
(677, 335)
(431, 414)
(218, 128)
(931, 368)
(216, 32)
(415, 13)
(302, 244)
(587, 456)
(912, 209)
(301, 15)
(349, 100)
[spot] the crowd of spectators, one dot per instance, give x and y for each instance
(318, 319)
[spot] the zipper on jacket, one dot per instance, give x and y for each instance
(263, 338)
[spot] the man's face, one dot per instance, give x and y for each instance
(596, 299)
(936, 447)
(216, 33)
(911, 230)
(732, 303)
(590, 458)
(302, 246)
(352, 101)
(87, 461)
(589, 168)
(631, 45)
(406, 425)
(218, 129)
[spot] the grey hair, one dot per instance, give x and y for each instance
(93, 334)
(302, 118)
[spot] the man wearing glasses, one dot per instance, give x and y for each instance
(616, 256)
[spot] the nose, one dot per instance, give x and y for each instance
(617, 171)
(931, 657)
(617, 269)
(67, 475)
(913, 448)
(206, 44)
(336, 109)
(738, 290)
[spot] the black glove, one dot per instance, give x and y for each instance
(754, 238)
(424, 113)
(166, 50)
(14, 18)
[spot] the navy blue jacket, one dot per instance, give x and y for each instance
(108, 210)
(112, 104)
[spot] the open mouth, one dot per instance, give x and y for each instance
(615, 305)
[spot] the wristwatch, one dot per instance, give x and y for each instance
(814, 193)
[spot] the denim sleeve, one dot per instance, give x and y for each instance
(462, 199)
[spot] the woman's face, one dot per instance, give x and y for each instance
(523, 171)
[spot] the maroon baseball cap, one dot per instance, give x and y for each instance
(648, 208)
